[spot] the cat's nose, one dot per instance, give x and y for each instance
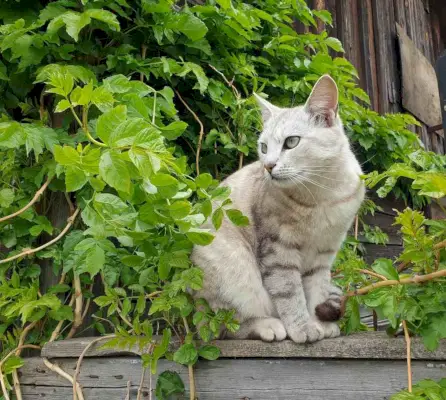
(269, 167)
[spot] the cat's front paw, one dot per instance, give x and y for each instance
(310, 331)
(331, 329)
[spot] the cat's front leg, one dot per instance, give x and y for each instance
(323, 299)
(285, 287)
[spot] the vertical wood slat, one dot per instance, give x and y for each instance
(368, 55)
(385, 45)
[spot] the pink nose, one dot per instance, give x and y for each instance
(269, 167)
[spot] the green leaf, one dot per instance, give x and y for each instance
(6, 197)
(163, 180)
(209, 352)
(335, 44)
(167, 384)
(82, 96)
(75, 179)
(225, 4)
(237, 217)
(92, 257)
(12, 364)
(74, 22)
(204, 180)
(188, 24)
(102, 99)
(187, 355)
(3, 72)
(385, 267)
(109, 121)
(200, 237)
(114, 171)
(173, 130)
(65, 312)
(180, 209)
(104, 16)
(62, 106)
(217, 218)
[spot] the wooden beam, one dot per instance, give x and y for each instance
(366, 345)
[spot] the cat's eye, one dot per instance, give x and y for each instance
(291, 142)
(263, 148)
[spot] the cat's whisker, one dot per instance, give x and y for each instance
(305, 178)
(323, 177)
(296, 180)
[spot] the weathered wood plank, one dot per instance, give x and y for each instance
(368, 54)
(40, 392)
(419, 82)
(365, 345)
(238, 379)
(374, 251)
(385, 222)
(388, 79)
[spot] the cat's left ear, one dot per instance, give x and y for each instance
(266, 107)
(323, 101)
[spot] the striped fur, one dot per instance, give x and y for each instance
(276, 272)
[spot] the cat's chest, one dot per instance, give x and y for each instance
(323, 226)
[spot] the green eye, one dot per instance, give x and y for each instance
(263, 148)
(291, 142)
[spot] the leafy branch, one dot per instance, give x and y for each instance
(30, 204)
(27, 252)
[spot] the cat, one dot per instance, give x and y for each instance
(301, 198)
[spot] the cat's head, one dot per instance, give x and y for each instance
(304, 141)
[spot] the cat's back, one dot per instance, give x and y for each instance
(245, 185)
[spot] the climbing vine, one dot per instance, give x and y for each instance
(123, 116)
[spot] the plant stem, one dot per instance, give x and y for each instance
(33, 200)
(371, 273)
(85, 127)
(55, 368)
(201, 135)
(78, 308)
(143, 56)
(141, 383)
(28, 252)
(127, 396)
(408, 356)
(15, 375)
(413, 280)
(2, 378)
(79, 362)
(59, 325)
(190, 368)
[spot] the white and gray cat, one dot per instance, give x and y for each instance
(301, 198)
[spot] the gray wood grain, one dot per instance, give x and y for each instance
(419, 82)
(236, 379)
(365, 345)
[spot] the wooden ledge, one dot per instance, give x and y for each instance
(366, 345)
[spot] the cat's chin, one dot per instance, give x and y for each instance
(282, 182)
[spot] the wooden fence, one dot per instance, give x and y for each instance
(367, 29)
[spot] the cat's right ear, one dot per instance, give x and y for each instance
(266, 107)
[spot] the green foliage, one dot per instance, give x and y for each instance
(89, 100)
(425, 389)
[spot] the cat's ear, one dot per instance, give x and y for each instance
(323, 101)
(266, 107)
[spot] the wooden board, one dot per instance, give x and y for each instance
(419, 82)
(365, 345)
(106, 379)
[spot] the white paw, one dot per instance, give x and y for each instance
(270, 329)
(310, 331)
(331, 329)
